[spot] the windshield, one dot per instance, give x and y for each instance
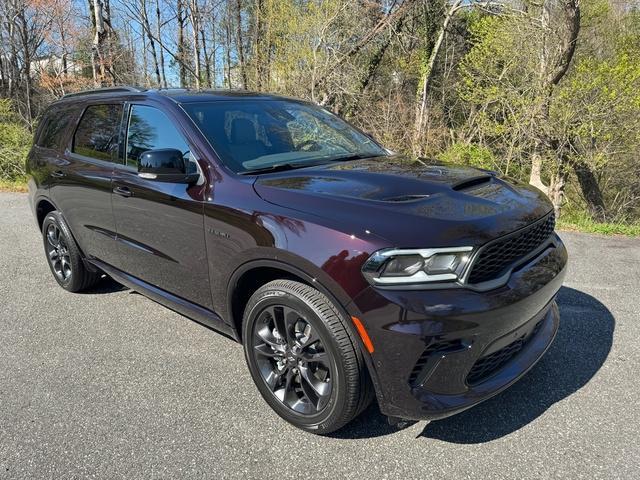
(254, 135)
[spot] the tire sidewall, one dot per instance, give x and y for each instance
(74, 256)
(332, 413)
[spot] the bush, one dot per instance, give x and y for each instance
(15, 142)
(469, 154)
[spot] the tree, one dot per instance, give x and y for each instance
(101, 59)
(542, 91)
(556, 52)
(427, 68)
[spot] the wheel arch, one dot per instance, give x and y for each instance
(250, 276)
(44, 206)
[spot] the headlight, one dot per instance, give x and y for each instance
(398, 266)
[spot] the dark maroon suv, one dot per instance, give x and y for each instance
(348, 272)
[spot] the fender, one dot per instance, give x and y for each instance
(36, 202)
(335, 294)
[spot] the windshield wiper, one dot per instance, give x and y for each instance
(278, 167)
(348, 158)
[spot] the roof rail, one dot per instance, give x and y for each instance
(120, 89)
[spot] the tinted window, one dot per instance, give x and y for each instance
(150, 129)
(97, 133)
(263, 133)
(54, 126)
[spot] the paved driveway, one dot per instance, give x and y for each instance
(109, 384)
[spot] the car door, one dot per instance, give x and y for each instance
(81, 189)
(160, 225)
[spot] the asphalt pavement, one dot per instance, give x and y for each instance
(109, 384)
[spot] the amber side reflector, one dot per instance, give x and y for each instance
(363, 334)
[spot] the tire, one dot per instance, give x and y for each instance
(63, 255)
(313, 375)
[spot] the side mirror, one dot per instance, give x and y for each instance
(165, 165)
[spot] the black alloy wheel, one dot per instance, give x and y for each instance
(292, 359)
(303, 357)
(63, 255)
(58, 253)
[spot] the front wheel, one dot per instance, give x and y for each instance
(303, 358)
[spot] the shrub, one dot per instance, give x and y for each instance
(469, 154)
(15, 141)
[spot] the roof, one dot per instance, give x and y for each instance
(179, 95)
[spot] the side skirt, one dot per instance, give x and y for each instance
(177, 304)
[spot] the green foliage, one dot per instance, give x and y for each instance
(473, 155)
(15, 141)
(597, 112)
(490, 100)
(499, 87)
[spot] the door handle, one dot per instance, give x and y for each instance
(58, 174)
(123, 191)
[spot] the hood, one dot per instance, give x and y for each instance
(410, 203)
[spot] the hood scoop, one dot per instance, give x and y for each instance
(471, 183)
(467, 184)
(405, 198)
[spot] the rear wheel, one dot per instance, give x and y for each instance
(63, 255)
(303, 359)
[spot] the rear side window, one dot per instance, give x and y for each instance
(98, 131)
(54, 126)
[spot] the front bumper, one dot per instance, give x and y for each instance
(439, 352)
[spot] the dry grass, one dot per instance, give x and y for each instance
(13, 186)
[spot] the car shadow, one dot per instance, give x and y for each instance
(581, 347)
(105, 285)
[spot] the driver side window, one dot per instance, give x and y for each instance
(150, 129)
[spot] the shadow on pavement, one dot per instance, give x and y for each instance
(105, 285)
(581, 347)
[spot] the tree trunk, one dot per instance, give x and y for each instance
(262, 45)
(13, 59)
(205, 53)
(426, 77)
(145, 62)
(63, 41)
(551, 73)
(591, 190)
(195, 21)
(181, 50)
(556, 191)
(100, 48)
(26, 57)
(535, 178)
(152, 43)
(227, 25)
(239, 44)
(159, 36)
(98, 33)
(257, 43)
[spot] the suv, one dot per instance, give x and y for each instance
(346, 271)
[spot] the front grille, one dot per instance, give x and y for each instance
(438, 347)
(489, 364)
(494, 259)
